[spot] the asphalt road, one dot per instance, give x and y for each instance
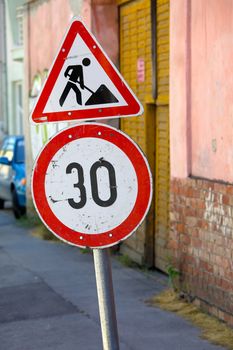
(48, 300)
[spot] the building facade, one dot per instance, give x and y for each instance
(180, 67)
(144, 62)
(15, 66)
(201, 104)
(176, 55)
(3, 73)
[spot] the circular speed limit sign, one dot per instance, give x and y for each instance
(91, 185)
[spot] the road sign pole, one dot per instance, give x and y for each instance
(105, 293)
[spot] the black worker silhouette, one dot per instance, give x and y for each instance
(75, 74)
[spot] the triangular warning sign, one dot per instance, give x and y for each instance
(83, 83)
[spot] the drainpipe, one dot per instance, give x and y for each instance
(5, 77)
(153, 47)
(29, 45)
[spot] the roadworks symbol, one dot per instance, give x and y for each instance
(75, 82)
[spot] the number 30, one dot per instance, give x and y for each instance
(94, 184)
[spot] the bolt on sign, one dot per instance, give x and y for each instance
(91, 185)
(83, 83)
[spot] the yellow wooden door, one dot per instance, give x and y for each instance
(150, 131)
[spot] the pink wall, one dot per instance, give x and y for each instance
(46, 29)
(104, 14)
(201, 110)
(49, 21)
(178, 89)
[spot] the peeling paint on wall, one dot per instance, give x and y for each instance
(218, 213)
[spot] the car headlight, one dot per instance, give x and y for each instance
(23, 181)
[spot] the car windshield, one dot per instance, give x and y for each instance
(8, 148)
(19, 153)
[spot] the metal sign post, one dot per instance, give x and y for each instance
(92, 187)
(80, 183)
(105, 293)
(91, 184)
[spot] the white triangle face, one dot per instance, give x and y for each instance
(81, 65)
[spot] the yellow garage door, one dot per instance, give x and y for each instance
(151, 131)
(136, 67)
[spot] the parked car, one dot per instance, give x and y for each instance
(12, 174)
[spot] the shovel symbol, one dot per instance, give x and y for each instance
(101, 96)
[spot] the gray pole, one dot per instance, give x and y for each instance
(105, 293)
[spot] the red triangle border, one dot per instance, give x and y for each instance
(133, 107)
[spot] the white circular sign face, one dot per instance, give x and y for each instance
(70, 179)
(91, 185)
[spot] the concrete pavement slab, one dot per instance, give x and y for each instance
(32, 300)
(52, 286)
(68, 332)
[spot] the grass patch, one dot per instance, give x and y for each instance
(126, 261)
(29, 221)
(212, 329)
(41, 231)
(85, 250)
(37, 228)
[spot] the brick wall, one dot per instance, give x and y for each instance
(201, 242)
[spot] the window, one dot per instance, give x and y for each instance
(19, 107)
(19, 17)
(19, 154)
(8, 148)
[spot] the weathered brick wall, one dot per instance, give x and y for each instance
(201, 241)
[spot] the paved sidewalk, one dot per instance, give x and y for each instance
(48, 300)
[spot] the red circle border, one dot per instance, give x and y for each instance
(139, 162)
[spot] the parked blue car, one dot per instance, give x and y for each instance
(12, 174)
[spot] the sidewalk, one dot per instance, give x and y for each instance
(48, 300)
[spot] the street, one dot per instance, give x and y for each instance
(48, 300)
